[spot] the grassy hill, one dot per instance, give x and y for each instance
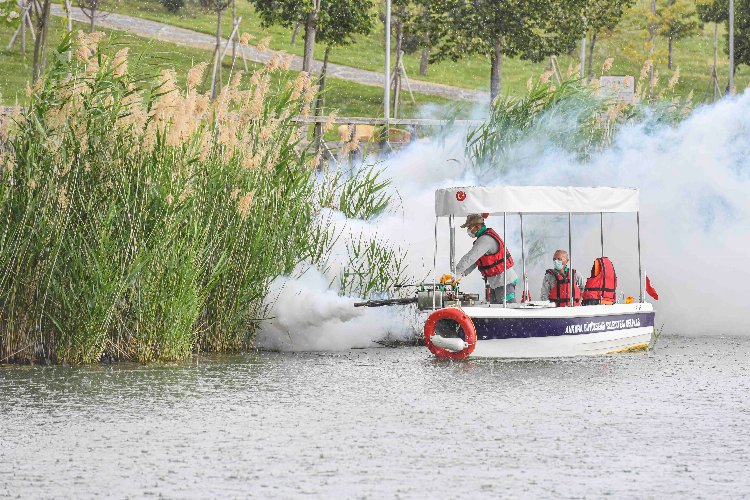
(350, 99)
(693, 55)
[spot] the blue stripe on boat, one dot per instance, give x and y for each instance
(515, 328)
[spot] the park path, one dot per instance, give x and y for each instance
(189, 38)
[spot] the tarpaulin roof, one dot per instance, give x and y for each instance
(534, 200)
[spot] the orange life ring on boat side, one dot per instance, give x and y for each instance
(457, 315)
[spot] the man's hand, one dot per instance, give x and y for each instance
(449, 279)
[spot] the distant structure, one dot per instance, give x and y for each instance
(619, 88)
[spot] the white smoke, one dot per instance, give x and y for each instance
(307, 315)
(695, 212)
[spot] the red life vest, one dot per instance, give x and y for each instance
(494, 264)
(601, 286)
(560, 293)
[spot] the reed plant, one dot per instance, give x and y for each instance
(572, 116)
(145, 221)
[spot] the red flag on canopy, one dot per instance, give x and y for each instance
(650, 289)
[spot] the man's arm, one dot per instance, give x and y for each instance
(579, 282)
(468, 262)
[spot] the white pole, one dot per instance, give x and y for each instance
(571, 277)
(583, 49)
(523, 262)
(505, 264)
(731, 46)
(640, 267)
(387, 78)
(452, 238)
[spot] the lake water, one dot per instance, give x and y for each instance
(384, 423)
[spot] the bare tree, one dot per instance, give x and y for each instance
(41, 11)
(89, 9)
(217, 6)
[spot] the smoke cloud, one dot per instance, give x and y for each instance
(695, 212)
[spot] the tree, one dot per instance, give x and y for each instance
(89, 9)
(528, 29)
(602, 17)
(341, 19)
(677, 21)
(173, 5)
(412, 23)
(741, 32)
(41, 14)
(218, 7)
(713, 11)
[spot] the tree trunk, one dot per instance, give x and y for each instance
(294, 34)
(425, 61)
(311, 28)
(651, 36)
(216, 74)
(496, 71)
(590, 71)
(40, 44)
(23, 27)
(669, 60)
(714, 74)
(234, 34)
(92, 19)
(320, 100)
(397, 75)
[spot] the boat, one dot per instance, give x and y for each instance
(461, 326)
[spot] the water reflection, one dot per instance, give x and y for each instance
(383, 422)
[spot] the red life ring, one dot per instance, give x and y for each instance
(457, 315)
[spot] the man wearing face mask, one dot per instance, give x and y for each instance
(488, 253)
(556, 284)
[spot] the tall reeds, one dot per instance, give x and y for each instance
(145, 221)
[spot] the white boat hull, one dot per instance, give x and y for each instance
(527, 332)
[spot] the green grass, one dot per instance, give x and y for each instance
(350, 99)
(693, 55)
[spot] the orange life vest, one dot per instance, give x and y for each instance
(560, 293)
(601, 286)
(496, 263)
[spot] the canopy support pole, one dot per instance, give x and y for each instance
(523, 262)
(601, 230)
(452, 233)
(434, 266)
(571, 277)
(640, 269)
(505, 263)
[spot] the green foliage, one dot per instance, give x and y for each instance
(712, 11)
(364, 194)
(173, 5)
(10, 14)
(374, 267)
(677, 20)
(143, 222)
(741, 32)
(566, 114)
(337, 21)
(530, 30)
(604, 15)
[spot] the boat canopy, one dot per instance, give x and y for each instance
(534, 200)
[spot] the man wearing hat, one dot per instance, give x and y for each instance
(492, 258)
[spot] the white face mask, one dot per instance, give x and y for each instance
(471, 235)
(558, 264)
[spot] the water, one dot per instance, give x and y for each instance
(384, 423)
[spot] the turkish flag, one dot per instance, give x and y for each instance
(650, 289)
